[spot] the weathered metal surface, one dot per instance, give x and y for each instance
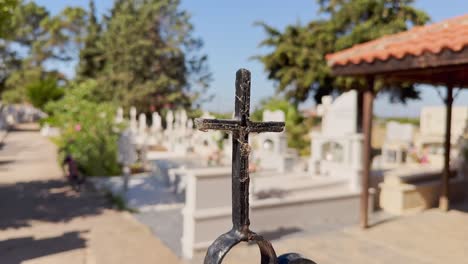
(240, 127)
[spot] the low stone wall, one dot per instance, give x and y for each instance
(207, 212)
(408, 191)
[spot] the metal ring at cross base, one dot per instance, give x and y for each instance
(223, 244)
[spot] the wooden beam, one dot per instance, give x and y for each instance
(367, 105)
(410, 62)
(457, 76)
(444, 202)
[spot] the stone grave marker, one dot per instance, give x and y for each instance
(133, 120)
(126, 154)
(336, 149)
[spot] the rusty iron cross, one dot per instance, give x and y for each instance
(240, 127)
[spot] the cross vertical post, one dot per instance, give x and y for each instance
(240, 152)
(240, 127)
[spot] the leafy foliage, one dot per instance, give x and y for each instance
(16, 83)
(36, 38)
(44, 37)
(143, 53)
(297, 62)
(6, 11)
(41, 92)
(88, 131)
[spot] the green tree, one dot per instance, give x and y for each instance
(9, 63)
(91, 56)
(151, 57)
(43, 91)
(17, 81)
(35, 38)
(297, 60)
(6, 11)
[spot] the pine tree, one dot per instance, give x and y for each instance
(297, 62)
(35, 38)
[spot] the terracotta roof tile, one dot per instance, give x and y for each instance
(450, 34)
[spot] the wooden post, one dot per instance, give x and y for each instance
(366, 149)
(444, 199)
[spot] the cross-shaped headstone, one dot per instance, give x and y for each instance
(240, 127)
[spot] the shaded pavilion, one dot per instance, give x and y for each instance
(435, 54)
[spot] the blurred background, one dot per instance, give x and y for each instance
(101, 161)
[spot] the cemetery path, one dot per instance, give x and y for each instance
(430, 237)
(43, 221)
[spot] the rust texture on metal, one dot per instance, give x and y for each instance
(240, 127)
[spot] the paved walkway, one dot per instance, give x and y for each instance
(427, 238)
(43, 221)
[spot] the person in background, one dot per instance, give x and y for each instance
(72, 173)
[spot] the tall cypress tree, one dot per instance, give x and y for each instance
(91, 56)
(151, 55)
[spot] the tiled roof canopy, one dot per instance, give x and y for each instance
(450, 34)
(433, 46)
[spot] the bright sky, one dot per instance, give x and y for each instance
(230, 38)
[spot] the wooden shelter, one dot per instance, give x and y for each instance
(436, 54)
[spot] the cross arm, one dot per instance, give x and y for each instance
(216, 124)
(259, 127)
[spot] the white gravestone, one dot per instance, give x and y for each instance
(169, 132)
(156, 122)
(169, 120)
(142, 125)
(190, 125)
(272, 148)
(133, 120)
(206, 143)
(127, 154)
(336, 150)
(398, 132)
(432, 132)
(398, 141)
(119, 118)
(141, 137)
(183, 121)
(156, 129)
(181, 142)
(340, 117)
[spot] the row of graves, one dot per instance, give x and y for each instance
(12, 114)
(186, 199)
